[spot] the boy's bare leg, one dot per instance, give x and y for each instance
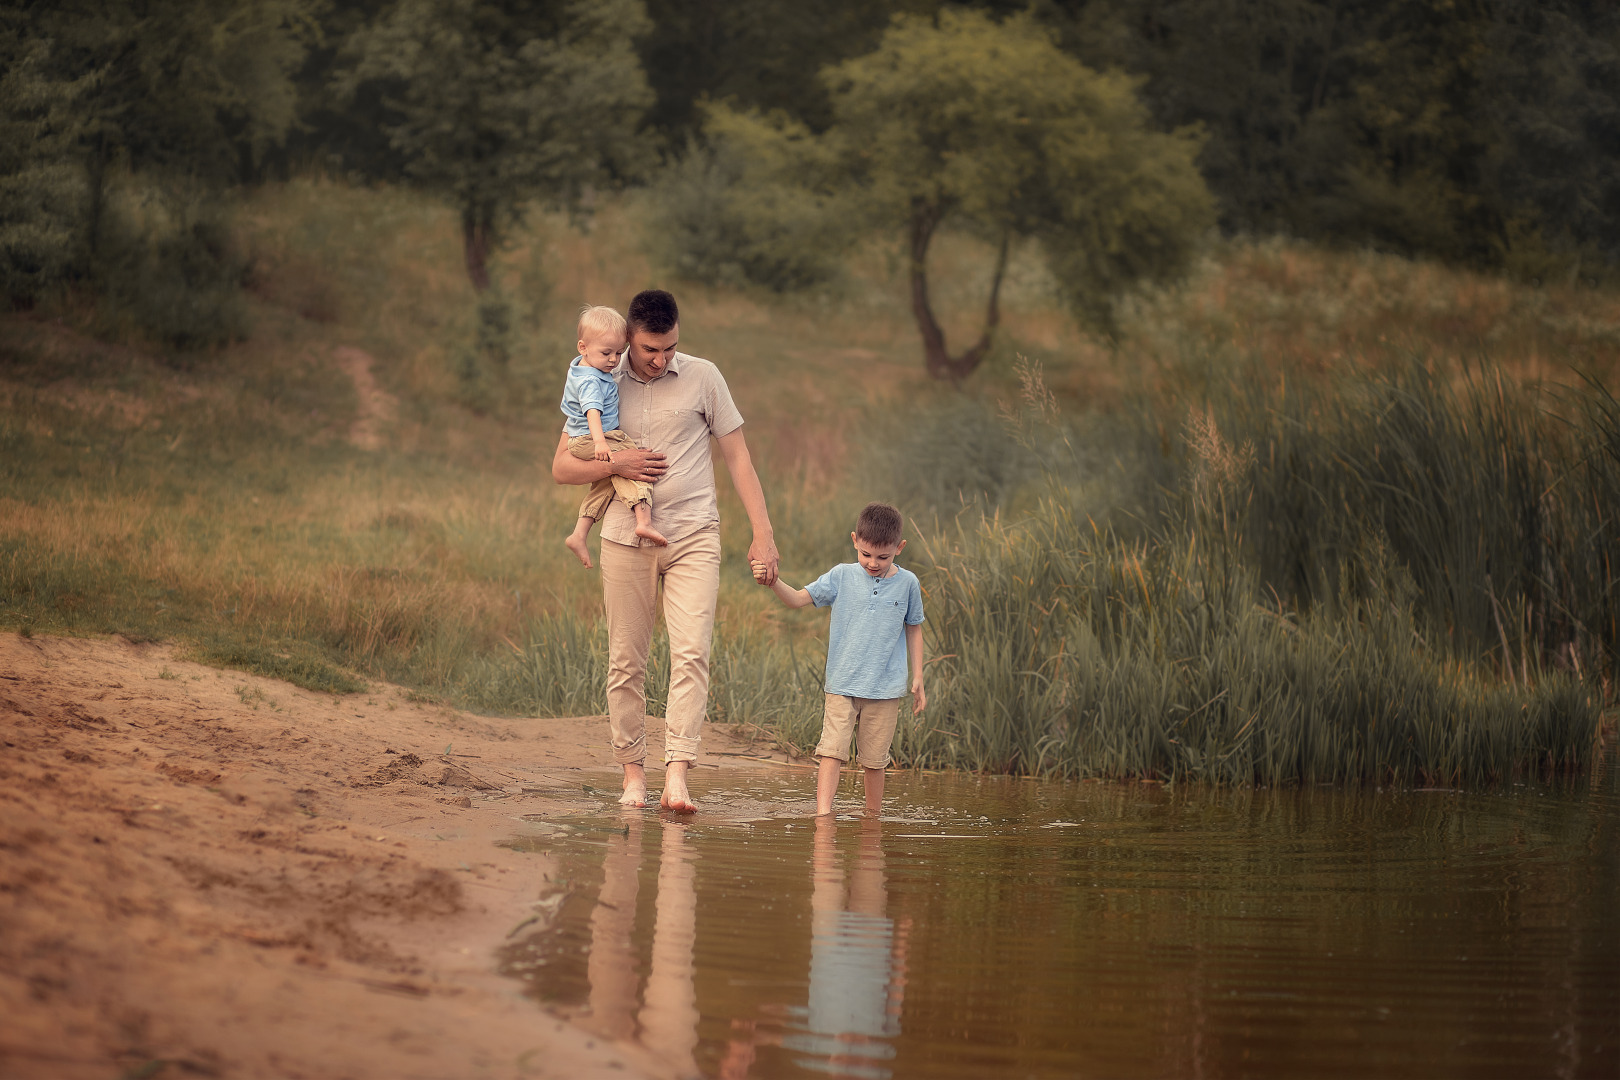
(826, 784)
(576, 543)
(874, 792)
(644, 527)
(635, 785)
(676, 797)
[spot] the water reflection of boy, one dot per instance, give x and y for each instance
(857, 958)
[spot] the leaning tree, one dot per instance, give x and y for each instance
(958, 119)
(494, 104)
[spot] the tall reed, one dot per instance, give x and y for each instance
(1066, 651)
(1493, 501)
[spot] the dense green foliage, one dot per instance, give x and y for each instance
(1486, 132)
(495, 105)
(960, 120)
(126, 120)
(1483, 131)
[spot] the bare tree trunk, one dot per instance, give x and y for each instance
(924, 220)
(940, 363)
(475, 243)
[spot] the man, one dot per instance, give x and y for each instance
(673, 404)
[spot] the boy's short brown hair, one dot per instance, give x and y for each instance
(880, 525)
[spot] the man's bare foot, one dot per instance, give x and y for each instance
(635, 786)
(676, 797)
(647, 532)
(577, 545)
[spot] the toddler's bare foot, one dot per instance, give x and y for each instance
(676, 797)
(647, 532)
(577, 545)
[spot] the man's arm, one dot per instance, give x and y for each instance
(743, 477)
(914, 649)
(630, 463)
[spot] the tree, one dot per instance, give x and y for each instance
(184, 93)
(1554, 93)
(194, 87)
(495, 103)
(959, 119)
(1479, 131)
(764, 54)
(41, 192)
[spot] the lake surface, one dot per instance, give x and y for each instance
(999, 927)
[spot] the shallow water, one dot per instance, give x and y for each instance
(997, 927)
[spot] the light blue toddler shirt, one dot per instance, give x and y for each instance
(588, 388)
(866, 644)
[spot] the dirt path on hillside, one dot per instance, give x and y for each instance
(205, 873)
(376, 407)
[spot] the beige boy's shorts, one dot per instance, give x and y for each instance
(876, 718)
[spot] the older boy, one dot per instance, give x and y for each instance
(876, 622)
(590, 404)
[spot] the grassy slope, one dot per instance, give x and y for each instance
(217, 498)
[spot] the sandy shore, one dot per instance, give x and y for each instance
(205, 873)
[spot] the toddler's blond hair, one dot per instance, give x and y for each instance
(595, 321)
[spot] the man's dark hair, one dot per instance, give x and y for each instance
(652, 310)
(879, 525)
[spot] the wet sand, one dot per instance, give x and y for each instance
(231, 876)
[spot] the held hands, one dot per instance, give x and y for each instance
(919, 696)
(762, 556)
(603, 453)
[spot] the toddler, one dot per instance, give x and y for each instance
(590, 402)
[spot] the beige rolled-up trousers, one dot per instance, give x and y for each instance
(689, 569)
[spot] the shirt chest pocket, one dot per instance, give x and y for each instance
(678, 425)
(889, 613)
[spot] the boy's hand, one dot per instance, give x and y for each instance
(762, 573)
(603, 451)
(919, 696)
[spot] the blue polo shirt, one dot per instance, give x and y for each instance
(866, 644)
(588, 388)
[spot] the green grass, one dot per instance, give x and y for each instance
(1276, 517)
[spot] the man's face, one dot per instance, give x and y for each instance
(651, 353)
(876, 559)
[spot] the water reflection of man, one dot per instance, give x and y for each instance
(612, 969)
(669, 1013)
(857, 959)
(667, 1021)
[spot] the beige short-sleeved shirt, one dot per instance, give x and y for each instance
(675, 413)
